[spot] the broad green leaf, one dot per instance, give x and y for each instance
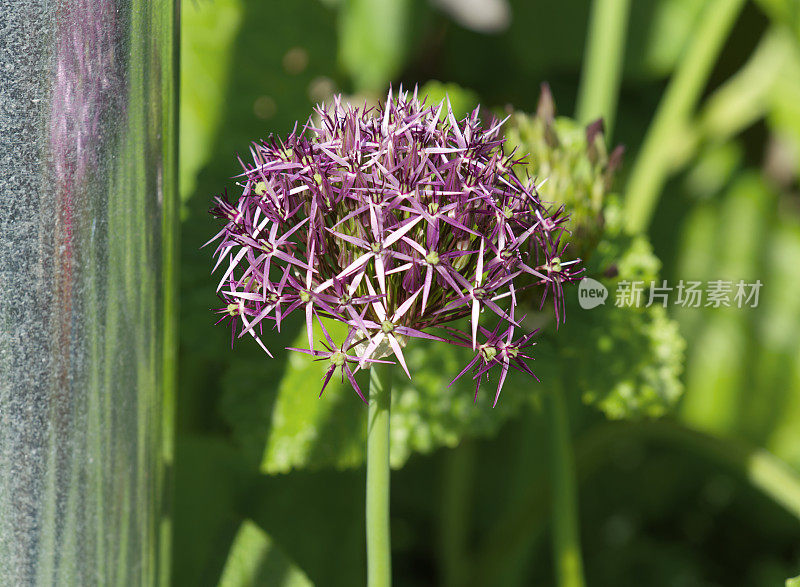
(209, 30)
(254, 560)
(721, 343)
(372, 40)
(743, 373)
(256, 74)
(317, 518)
(208, 478)
(294, 428)
(784, 12)
(305, 516)
(625, 360)
(462, 100)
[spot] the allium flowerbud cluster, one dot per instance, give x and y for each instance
(574, 160)
(397, 221)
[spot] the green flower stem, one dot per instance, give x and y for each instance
(742, 100)
(565, 530)
(602, 68)
(379, 551)
(654, 161)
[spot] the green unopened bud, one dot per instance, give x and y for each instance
(574, 159)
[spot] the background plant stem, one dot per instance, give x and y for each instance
(565, 530)
(593, 450)
(379, 557)
(602, 68)
(684, 90)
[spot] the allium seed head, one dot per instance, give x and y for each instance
(393, 220)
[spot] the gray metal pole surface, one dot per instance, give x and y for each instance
(87, 262)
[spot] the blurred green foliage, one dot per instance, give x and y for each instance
(255, 560)
(268, 473)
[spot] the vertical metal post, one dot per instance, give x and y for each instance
(87, 260)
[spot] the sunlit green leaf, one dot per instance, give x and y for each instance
(205, 56)
(254, 560)
(296, 429)
(461, 99)
(372, 40)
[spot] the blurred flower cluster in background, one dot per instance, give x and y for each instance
(685, 421)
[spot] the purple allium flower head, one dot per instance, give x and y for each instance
(393, 220)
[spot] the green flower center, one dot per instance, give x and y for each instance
(338, 358)
(387, 327)
(252, 284)
(432, 258)
(488, 352)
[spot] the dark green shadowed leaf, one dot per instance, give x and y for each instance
(208, 479)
